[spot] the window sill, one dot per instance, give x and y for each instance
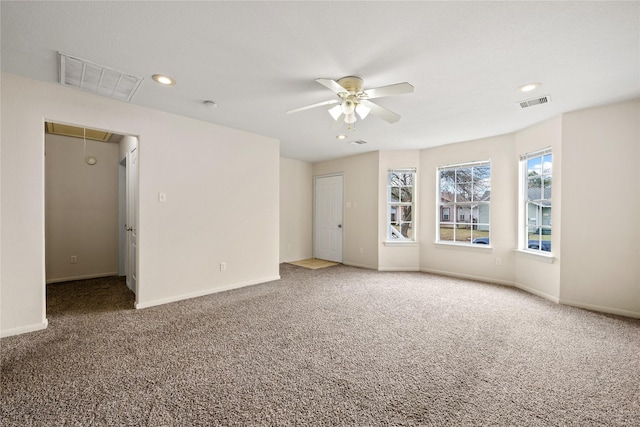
(542, 256)
(464, 246)
(400, 243)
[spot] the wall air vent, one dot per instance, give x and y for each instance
(358, 142)
(94, 78)
(534, 101)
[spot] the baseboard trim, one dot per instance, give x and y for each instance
(537, 292)
(413, 269)
(352, 264)
(468, 276)
(176, 298)
(83, 277)
(25, 329)
(603, 309)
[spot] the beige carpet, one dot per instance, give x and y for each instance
(338, 346)
(313, 263)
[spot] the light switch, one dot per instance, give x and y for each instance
(162, 197)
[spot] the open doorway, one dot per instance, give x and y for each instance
(90, 196)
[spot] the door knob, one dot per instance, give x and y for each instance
(339, 225)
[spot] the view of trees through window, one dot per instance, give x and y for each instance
(400, 196)
(464, 196)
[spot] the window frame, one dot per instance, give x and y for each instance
(543, 203)
(464, 208)
(395, 237)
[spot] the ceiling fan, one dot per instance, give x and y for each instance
(353, 99)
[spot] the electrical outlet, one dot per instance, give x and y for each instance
(498, 261)
(74, 259)
(223, 266)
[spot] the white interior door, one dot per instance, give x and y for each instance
(327, 241)
(131, 226)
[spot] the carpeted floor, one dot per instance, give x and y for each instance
(334, 346)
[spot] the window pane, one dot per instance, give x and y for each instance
(481, 183)
(534, 191)
(405, 213)
(547, 187)
(447, 232)
(394, 194)
(547, 165)
(407, 179)
(405, 194)
(537, 208)
(406, 230)
(464, 195)
(534, 166)
(400, 205)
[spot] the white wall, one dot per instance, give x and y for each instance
(601, 208)
(360, 228)
(296, 210)
(222, 199)
(478, 261)
(81, 208)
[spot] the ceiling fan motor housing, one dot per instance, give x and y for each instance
(352, 83)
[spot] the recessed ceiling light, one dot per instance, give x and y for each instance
(163, 80)
(529, 87)
(341, 136)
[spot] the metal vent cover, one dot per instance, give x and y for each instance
(534, 101)
(358, 142)
(98, 79)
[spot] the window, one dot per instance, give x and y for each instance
(536, 182)
(400, 206)
(465, 191)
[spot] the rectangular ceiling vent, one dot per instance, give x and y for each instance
(535, 101)
(94, 78)
(358, 142)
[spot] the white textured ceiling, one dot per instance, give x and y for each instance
(258, 59)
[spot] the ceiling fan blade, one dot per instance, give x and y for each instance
(319, 104)
(396, 89)
(381, 112)
(332, 85)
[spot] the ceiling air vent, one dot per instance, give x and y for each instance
(94, 78)
(358, 142)
(535, 101)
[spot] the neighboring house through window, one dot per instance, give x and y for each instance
(400, 204)
(464, 196)
(537, 182)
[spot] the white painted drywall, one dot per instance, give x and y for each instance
(296, 210)
(222, 203)
(601, 208)
(360, 206)
(81, 208)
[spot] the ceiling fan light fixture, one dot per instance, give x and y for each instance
(350, 118)
(336, 111)
(348, 106)
(362, 111)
